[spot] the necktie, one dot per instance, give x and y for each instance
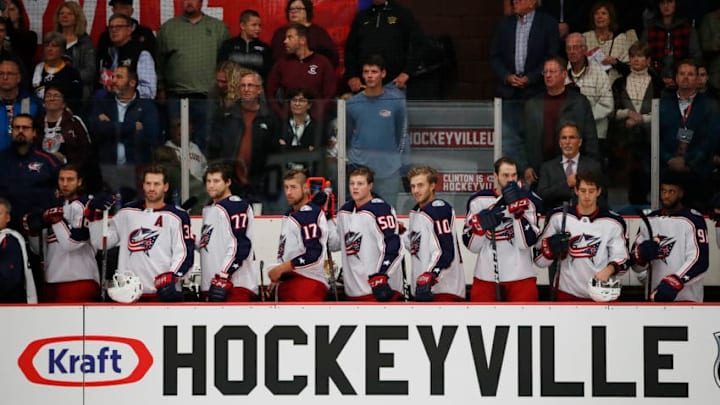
(569, 168)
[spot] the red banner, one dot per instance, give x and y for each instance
(464, 182)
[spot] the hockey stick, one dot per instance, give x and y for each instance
(649, 283)
(262, 281)
(406, 286)
(331, 275)
(499, 291)
(189, 203)
(104, 257)
(557, 263)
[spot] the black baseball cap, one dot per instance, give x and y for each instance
(127, 2)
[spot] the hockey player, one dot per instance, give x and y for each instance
(367, 230)
(437, 268)
(678, 251)
(155, 239)
(302, 249)
(71, 271)
(590, 242)
(229, 271)
(16, 280)
(501, 227)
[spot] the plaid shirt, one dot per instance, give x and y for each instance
(522, 34)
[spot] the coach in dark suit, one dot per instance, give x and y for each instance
(522, 43)
(557, 176)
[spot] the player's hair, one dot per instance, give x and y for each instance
(225, 170)
(611, 12)
(503, 161)
(6, 203)
(572, 124)
(74, 167)
(589, 178)
(156, 169)
(375, 60)
(308, 8)
(296, 174)
(247, 14)
(429, 172)
(639, 48)
(131, 73)
(80, 20)
(301, 30)
(365, 172)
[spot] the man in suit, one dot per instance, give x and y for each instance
(522, 43)
(558, 175)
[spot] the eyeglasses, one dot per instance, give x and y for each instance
(53, 96)
(8, 74)
(291, 9)
(117, 27)
(299, 100)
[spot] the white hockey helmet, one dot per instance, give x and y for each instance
(601, 291)
(125, 287)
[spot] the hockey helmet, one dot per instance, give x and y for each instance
(125, 287)
(601, 291)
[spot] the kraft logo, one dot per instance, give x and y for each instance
(85, 361)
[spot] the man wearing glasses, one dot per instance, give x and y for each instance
(125, 51)
(15, 99)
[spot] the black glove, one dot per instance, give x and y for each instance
(668, 288)
(102, 201)
(512, 192)
(32, 222)
(556, 246)
(646, 251)
(220, 287)
(380, 288)
(423, 287)
(165, 286)
(491, 218)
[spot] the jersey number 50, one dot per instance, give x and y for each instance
(387, 221)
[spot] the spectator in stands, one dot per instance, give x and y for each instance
(125, 129)
(65, 135)
(24, 40)
(167, 157)
(593, 83)
(196, 158)
(124, 51)
(14, 99)
(377, 130)
(247, 49)
(672, 39)
(608, 46)
(303, 133)
(187, 54)
(630, 136)
(17, 284)
(70, 21)
(140, 33)
(7, 52)
(390, 30)
(302, 67)
(54, 69)
(522, 43)
(704, 82)
(710, 43)
(244, 135)
(301, 12)
(689, 132)
(546, 112)
(558, 175)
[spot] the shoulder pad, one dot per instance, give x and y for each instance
(306, 207)
(234, 198)
(377, 200)
(438, 203)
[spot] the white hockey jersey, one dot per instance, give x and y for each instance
(151, 241)
(369, 238)
(432, 243)
(69, 255)
(226, 243)
(303, 240)
(514, 239)
(684, 251)
(595, 241)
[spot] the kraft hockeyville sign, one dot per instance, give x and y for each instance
(451, 137)
(361, 354)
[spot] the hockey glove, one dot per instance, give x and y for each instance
(423, 287)
(220, 287)
(512, 192)
(668, 288)
(102, 201)
(380, 288)
(490, 218)
(646, 251)
(32, 223)
(556, 246)
(53, 215)
(165, 286)
(517, 208)
(474, 225)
